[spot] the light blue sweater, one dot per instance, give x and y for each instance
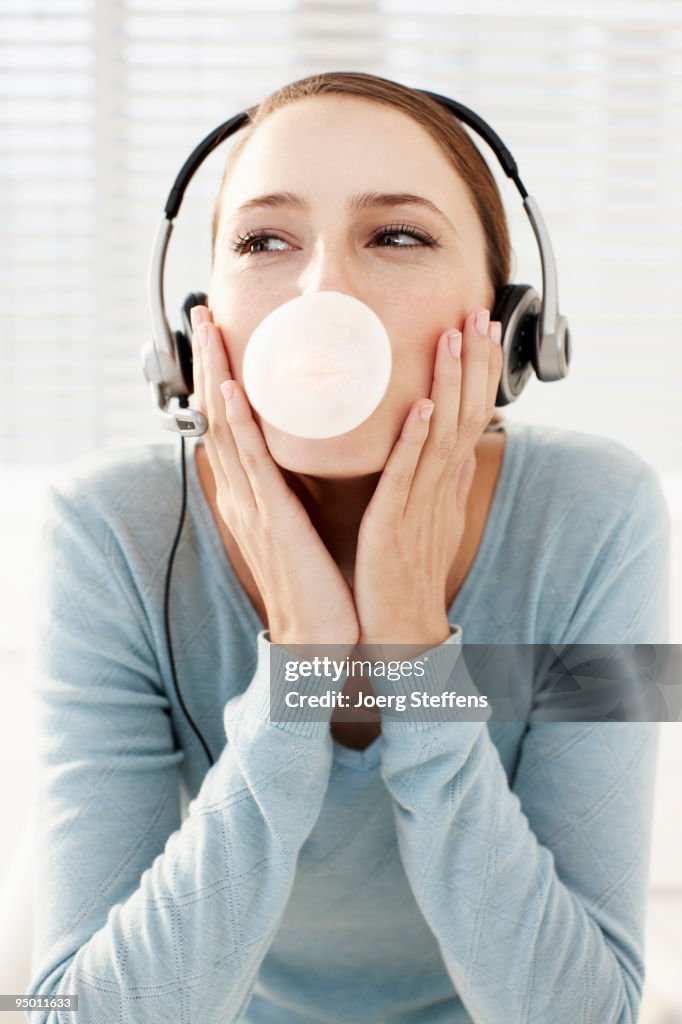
(451, 872)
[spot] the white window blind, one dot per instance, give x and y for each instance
(100, 103)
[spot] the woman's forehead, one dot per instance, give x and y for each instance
(324, 146)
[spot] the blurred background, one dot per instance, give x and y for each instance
(100, 103)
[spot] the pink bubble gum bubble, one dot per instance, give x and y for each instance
(318, 365)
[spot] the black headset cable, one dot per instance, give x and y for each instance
(166, 602)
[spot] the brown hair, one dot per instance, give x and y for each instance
(440, 124)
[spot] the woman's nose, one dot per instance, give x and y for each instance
(328, 270)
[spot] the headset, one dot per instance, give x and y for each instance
(535, 337)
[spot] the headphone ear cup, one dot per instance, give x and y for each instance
(183, 339)
(517, 307)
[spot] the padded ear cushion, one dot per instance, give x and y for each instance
(183, 339)
(183, 347)
(517, 307)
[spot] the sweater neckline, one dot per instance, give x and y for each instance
(209, 537)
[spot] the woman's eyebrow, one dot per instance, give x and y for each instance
(370, 200)
(271, 200)
(361, 201)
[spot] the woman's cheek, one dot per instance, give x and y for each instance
(413, 365)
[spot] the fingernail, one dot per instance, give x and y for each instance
(482, 321)
(194, 317)
(227, 389)
(425, 410)
(496, 332)
(455, 342)
(204, 328)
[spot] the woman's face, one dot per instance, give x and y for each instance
(328, 151)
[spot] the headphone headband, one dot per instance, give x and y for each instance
(533, 332)
(196, 159)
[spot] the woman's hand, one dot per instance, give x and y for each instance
(305, 595)
(413, 526)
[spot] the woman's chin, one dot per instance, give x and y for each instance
(345, 455)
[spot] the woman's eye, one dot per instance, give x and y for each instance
(418, 238)
(243, 244)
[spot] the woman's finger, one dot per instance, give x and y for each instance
(391, 495)
(267, 484)
(495, 365)
(443, 426)
(198, 315)
(473, 412)
(465, 481)
(213, 369)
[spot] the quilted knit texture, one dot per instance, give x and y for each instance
(451, 872)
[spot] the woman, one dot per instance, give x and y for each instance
(332, 870)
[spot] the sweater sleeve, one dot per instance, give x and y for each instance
(145, 918)
(536, 890)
